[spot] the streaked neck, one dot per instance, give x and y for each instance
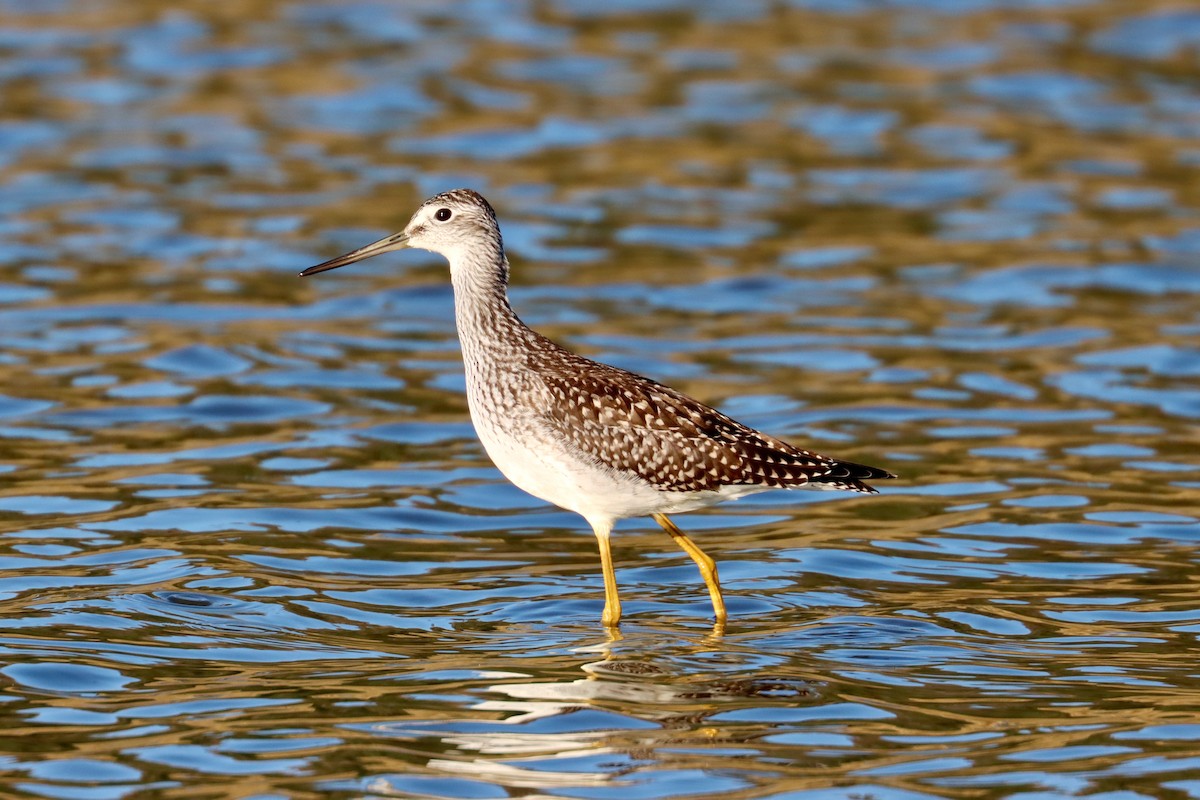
(487, 324)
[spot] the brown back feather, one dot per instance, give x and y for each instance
(675, 443)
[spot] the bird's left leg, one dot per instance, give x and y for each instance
(708, 567)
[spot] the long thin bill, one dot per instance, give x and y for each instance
(396, 241)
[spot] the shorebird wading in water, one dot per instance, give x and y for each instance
(591, 438)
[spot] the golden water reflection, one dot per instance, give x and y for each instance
(252, 547)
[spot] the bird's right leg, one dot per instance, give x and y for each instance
(612, 602)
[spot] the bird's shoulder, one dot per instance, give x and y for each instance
(635, 424)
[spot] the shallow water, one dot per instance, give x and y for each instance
(252, 548)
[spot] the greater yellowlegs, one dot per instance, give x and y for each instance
(591, 438)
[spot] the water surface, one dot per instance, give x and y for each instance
(252, 548)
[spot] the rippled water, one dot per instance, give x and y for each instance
(252, 548)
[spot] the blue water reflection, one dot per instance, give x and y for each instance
(253, 547)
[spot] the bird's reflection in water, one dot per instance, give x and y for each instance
(577, 732)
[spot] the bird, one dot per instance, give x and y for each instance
(588, 437)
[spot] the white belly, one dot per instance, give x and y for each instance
(547, 470)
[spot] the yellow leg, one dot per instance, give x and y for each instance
(708, 567)
(612, 602)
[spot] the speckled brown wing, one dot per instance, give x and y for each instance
(673, 442)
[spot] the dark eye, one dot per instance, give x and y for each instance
(442, 214)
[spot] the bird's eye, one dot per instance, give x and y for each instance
(442, 214)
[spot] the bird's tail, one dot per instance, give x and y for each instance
(848, 476)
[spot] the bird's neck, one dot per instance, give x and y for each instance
(487, 324)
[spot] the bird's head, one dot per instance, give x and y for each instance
(459, 225)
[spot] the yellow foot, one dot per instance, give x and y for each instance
(708, 568)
